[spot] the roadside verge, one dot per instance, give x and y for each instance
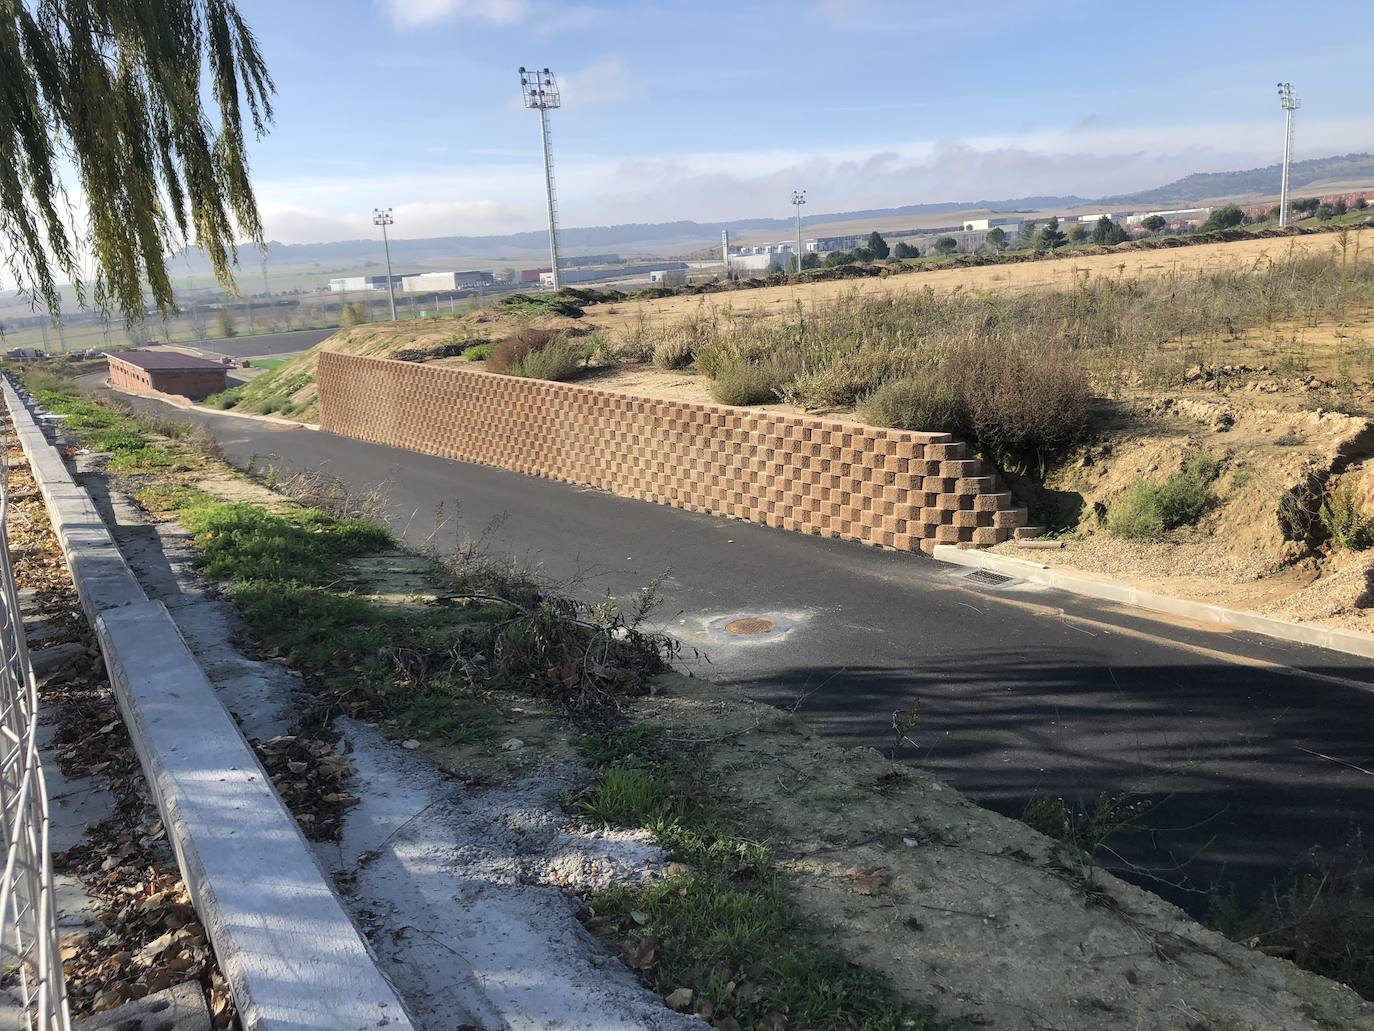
(1349, 641)
(291, 954)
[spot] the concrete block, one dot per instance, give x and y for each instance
(175, 1009)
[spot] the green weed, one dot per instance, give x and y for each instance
(727, 926)
(1147, 508)
(1345, 520)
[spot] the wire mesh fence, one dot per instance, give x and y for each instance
(30, 956)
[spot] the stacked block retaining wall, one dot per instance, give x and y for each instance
(887, 487)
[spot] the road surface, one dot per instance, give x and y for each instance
(266, 344)
(1248, 753)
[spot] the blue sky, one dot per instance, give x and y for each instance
(711, 110)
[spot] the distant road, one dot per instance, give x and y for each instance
(267, 344)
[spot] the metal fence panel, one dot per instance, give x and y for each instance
(30, 955)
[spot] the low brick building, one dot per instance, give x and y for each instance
(167, 372)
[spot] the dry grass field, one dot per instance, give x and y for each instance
(1056, 272)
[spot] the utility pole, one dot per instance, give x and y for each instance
(1290, 104)
(382, 217)
(540, 92)
(798, 199)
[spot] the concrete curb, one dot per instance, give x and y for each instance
(292, 956)
(1349, 641)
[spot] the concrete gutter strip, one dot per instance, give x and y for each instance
(281, 936)
(1351, 642)
(293, 958)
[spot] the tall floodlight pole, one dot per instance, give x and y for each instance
(798, 199)
(382, 217)
(540, 91)
(1290, 104)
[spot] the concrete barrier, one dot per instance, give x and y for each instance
(1352, 642)
(292, 956)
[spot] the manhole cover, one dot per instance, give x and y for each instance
(747, 626)
(988, 578)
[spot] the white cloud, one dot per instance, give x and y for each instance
(409, 14)
(506, 195)
(608, 81)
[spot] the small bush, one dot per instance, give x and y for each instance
(739, 382)
(517, 346)
(1147, 509)
(674, 354)
(1344, 518)
(1020, 401)
(927, 404)
(848, 377)
(1322, 921)
(225, 399)
(479, 352)
(559, 359)
(542, 304)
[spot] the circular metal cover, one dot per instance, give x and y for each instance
(747, 626)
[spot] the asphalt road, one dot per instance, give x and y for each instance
(1249, 755)
(266, 344)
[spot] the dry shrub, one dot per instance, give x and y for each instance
(518, 345)
(849, 377)
(741, 382)
(559, 359)
(928, 404)
(674, 354)
(1017, 401)
(1017, 404)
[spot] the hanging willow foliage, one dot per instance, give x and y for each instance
(118, 96)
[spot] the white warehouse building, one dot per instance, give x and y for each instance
(356, 284)
(1010, 226)
(438, 282)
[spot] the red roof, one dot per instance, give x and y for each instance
(164, 361)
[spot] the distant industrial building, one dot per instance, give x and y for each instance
(532, 275)
(595, 275)
(1176, 216)
(166, 372)
(1010, 226)
(357, 284)
(826, 244)
(583, 260)
(1097, 216)
(439, 282)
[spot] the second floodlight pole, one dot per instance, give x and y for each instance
(798, 199)
(1290, 104)
(540, 92)
(382, 217)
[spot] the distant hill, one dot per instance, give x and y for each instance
(663, 239)
(1201, 186)
(657, 239)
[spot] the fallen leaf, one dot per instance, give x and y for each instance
(679, 999)
(871, 881)
(641, 954)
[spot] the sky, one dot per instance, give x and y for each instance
(712, 110)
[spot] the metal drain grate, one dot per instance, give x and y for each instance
(747, 626)
(987, 578)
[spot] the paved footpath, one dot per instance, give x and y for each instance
(1252, 752)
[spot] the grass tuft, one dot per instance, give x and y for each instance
(725, 924)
